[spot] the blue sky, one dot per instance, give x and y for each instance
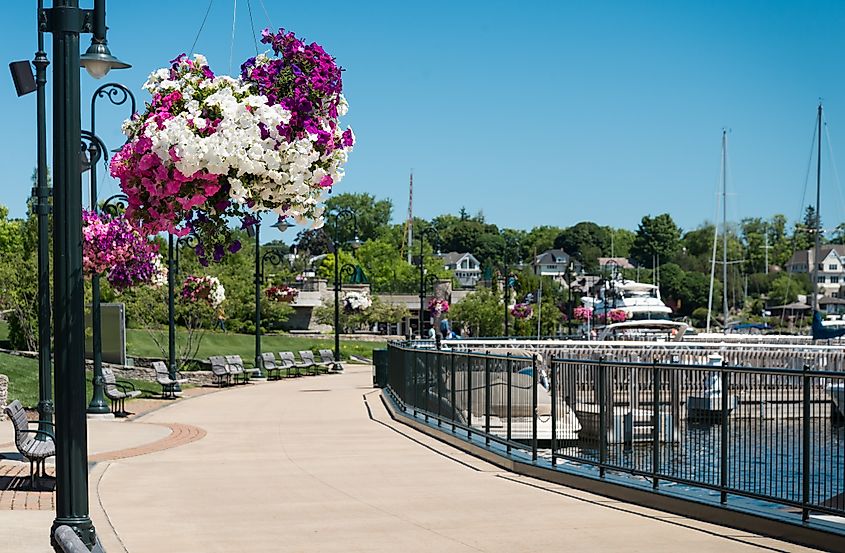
(532, 112)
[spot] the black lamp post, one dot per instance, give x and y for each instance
(24, 84)
(506, 271)
(569, 280)
(431, 232)
(66, 21)
(609, 289)
(118, 95)
(275, 258)
(173, 248)
(356, 243)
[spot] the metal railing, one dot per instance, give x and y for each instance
(764, 438)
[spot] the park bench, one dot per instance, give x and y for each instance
(235, 366)
(26, 440)
(307, 357)
(290, 363)
(268, 362)
(117, 391)
(220, 370)
(168, 385)
(327, 356)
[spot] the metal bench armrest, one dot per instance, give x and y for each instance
(125, 383)
(42, 422)
(42, 432)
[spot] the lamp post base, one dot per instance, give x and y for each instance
(98, 406)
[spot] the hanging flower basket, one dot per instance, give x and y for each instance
(356, 301)
(114, 247)
(617, 316)
(205, 289)
(437, 307)
(522, 311)
(210, 148)
(582, 314)
(284, 294)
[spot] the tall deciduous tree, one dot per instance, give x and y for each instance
(656, 237)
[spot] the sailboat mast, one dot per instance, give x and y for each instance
(715, 241)
(725, 230)
(817, 222)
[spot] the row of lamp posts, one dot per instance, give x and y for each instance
(65, 20)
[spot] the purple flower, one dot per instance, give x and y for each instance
(235, 246)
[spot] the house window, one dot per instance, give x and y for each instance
(821, 266)
(833, 267)
(834, 280)
(821, 280)
(550, 267)
(835, 295)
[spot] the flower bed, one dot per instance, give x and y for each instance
(209, 148)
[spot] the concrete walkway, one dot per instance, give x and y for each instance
(316, 464)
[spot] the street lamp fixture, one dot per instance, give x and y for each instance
(570, 269)
(355, 243)
(98, 59)
(609, 288)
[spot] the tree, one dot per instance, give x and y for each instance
(586, 242)
(622, 241)
(540, 239)
(656, 237)
(372, 216)
(786, 287)
(482, 311)
(313, 241)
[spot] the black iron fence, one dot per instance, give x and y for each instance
(774, 437)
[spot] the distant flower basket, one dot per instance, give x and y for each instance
(116, 248)
(203, 289)
(522, 311)
(284, 294)
(356, 301)
(437, 307)
(583, 314)
(617, 316)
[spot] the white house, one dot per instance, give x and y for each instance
(555, 263)
(466, 267)
(831, 267)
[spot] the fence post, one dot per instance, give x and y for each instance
(452, 377)
(487, 398)
(414, 384)
(602, 416)
(427, 385)
(439, 358)
(553, 385)
(805, 447)
(509, 401)
(534, 407)
(723, 446)
(469, 396)
(655, 428)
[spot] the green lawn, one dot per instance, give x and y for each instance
(140, 343)
(23, 380)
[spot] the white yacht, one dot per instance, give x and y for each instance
(638, 300)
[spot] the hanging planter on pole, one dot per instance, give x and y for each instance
(209, 148)
(114, 247)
